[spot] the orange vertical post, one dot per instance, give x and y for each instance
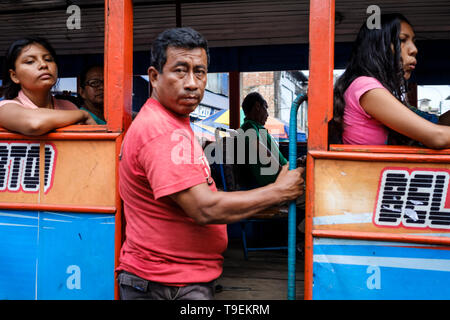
(321, 65)
(119, 88)
(320, 108)
(235, 99)
(118, 63)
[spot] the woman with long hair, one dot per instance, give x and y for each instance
(370, 106)
(30, 72)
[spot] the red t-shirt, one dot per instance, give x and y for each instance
(160, 156)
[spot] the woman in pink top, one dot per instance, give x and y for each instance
(369, 98)
(30, 71)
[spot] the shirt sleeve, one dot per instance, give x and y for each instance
(360, 86)
(4, 102)
(173, 163)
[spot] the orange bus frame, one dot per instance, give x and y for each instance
(320, 111)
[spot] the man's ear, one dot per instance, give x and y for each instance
(12, 75)
(152, 76)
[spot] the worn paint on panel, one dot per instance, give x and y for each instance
(346, 194)
(353, 269)
(78, 173)
(56, 255)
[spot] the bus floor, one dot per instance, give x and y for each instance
(264, 276)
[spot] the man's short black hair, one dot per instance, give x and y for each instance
(250, 100)
(186, 38)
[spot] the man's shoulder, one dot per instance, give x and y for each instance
(152, 122)
(247, 125)
(150, 115)
(154, 111)
(250, 127)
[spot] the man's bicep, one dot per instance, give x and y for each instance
(195, 201)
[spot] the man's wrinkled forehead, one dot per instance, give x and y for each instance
(182, 55)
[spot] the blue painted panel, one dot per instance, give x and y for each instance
(76, 256)
(350, 269)
(18, 253)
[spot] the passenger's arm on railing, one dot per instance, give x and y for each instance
(384, 107)
(35, 122)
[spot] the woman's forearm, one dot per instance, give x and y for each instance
(52, 119)
(36, 122)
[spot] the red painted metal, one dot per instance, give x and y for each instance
(118, 84)
(118, 219)
(320, 99)
(50, 207)
(118, 63)
(386, 149)
(73, 128)
(321, 64)
(320, 108)
(309, 209)
(62, 136)
(376, 236)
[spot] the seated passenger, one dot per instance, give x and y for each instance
(369, 98)
(30, 72)
(91, 92)
(265, 171)
(255, 110)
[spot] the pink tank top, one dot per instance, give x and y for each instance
(25, 102)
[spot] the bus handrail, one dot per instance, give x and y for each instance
(292, 206)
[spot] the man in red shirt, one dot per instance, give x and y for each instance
(175, 217)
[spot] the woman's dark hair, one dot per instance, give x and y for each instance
(9, 89)
(186, 38)
(376, 53)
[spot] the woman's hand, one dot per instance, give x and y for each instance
(88, 120)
